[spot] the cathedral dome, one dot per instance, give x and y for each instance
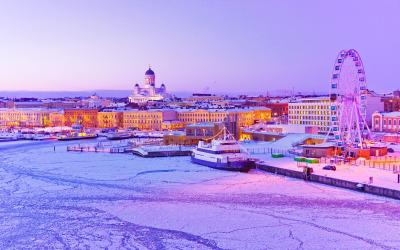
(149, 72)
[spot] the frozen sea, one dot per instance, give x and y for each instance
(62, 200)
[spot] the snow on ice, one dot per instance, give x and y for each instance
(56, 199)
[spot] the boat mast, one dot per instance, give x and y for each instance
(224, 133)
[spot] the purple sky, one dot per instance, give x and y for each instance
(226, 45)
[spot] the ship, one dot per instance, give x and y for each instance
(77, 133)
(6, 137)
(223, 154)
(80, 136)
(119, 136)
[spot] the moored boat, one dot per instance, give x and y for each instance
(5, 137)
(119, 136)
(223, 154)
(76, 137)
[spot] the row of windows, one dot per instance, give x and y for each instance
(305, 117)
(303, 106)
(143, 121)
(388, 121)
(319, 123)
(20, 115)
(201, 115)
(142, 116)
(313, 112)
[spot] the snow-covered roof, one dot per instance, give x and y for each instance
(391, 114)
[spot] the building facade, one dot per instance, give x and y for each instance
(278, 109)
(311, 112)
(245, 117)
(194, 133)
(386, 122)
(109, 119)
(30, 118)
(85, 117)
(147, 119)
(233, 119)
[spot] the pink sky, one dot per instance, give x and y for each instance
(225, 45)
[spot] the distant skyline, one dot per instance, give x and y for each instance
(227, 46)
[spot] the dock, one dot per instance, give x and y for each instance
(99, 149)
(162, 151)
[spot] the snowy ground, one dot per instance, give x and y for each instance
(356, 173)
(77, 200)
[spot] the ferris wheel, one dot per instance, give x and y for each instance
(348, 92)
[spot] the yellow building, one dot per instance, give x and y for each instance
(147, 119)
(244, 117)
(112, 119)
(311, 111)
(56, 119)
(28, 117)
(172, 125)
(234, 119)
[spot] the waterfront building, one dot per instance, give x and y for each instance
(194, 133)
(147, 119)
(234, 119)
(29, 117)
(172, 125)
(386, 122)
(312, 112)
(278, 109)
(110, 119)
(84, 116)
(149, 91)
(56, 119)
(245, 116)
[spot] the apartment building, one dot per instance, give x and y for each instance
(311, 112)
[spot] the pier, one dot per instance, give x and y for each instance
(162, 151)
(97, 149)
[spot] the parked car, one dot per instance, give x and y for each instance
(330, 167)
(390, 150)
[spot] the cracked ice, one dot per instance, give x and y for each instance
(91, 200)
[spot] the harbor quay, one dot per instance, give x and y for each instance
(371, 180)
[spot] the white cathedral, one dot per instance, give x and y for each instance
(148, 92)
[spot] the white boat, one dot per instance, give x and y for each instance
(4, 137)
(224, 154)
(42, 137)
(119, 135)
